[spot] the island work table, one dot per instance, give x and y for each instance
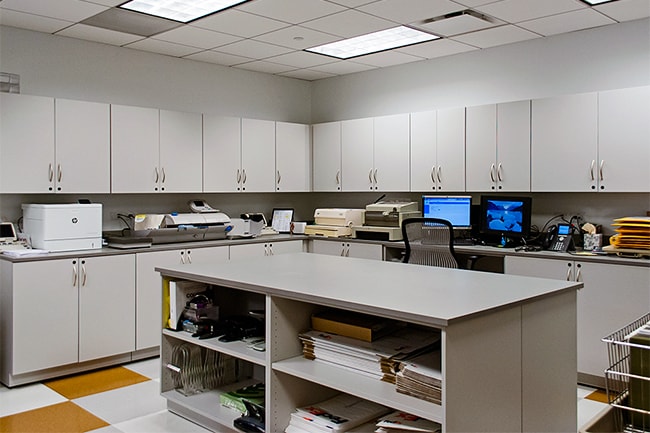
(508, 343)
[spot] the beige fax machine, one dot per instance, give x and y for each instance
(384, 220)
(335, 222)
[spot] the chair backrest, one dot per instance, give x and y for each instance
(429, 241)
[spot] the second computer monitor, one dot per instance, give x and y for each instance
(456, 209)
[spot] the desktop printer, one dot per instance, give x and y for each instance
(335, 222)
(384, 220)
(63, 227)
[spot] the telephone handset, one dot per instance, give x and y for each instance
(559, 238)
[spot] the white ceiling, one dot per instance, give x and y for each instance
(270, 35)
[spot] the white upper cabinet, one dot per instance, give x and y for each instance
(564, 147)
(438, 150)
(221, 153)
(292, 157)
(135, 149)
(391, 153)
(326, 141)
(257, 155)
(155, 150)
(498, 147)
(181, 147)
(357, 143)
(624, 140)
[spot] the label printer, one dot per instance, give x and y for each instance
(383, 220)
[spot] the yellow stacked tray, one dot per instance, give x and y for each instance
(631, 232)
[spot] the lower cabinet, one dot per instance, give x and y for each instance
(148, 295)
(612, 297)
(65, 311)
(347, 249)
(264, 249)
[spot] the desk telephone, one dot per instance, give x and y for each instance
(559, 238)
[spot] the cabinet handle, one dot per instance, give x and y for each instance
(238, 176)
(189, 257)
(568, 273)
(59, 173)
(433, 174)
(492, 173)
(279, 177)
(84, 276)
(499, 173)
(347, 250)
(591, 170)
(75, 274)
(440, 174)
(375, 175)
(270, 249)
(50, 172)
(163, 175)
(600, 170)
(370, 175)
(579, 273)
(182, 258)
(155, 170)
(338, 177)
(342, 250)
(243, 175)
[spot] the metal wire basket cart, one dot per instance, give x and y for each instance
(628, 375)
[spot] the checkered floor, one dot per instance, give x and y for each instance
(126, 399)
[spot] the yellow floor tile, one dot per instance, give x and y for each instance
(85, 384)
(62, 417)
(598, 395)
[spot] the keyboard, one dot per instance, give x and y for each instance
(13, 246)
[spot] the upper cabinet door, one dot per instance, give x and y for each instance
(357, 143)
(26, 144)
(481, 148)
(391, 153)
(564, 143)
(513, 147)
(258, 155)
(624, 140)
(181, 144)
(292, 157)
(326, 141)
(450, 151)
(83, 147)
(221, 153)
(135, 149)
(423, 151)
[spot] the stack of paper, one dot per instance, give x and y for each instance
(338, 414)
(378, 359)
(402, 422)
(421, 377)
(631, 233)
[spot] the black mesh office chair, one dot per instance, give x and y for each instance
(429, 241)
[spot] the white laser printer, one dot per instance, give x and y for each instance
(63, 227)
(335, 222)
(384, 220)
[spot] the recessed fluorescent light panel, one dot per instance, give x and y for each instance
(597, 2)
(373, 42)
(180, 10)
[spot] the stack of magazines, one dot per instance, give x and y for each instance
(379, 359)
(402, 422)
(421, 377)
(338, 414)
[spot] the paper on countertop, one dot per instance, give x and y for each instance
(24, 252)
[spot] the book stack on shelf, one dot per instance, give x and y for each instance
(402, 422)
(421, 377)
(341, 413)
(374, 348)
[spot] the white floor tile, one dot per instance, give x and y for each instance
(587, 410)
(27, 397)
(126, 403)
(149, 367)
(109, 429)
(163, 421)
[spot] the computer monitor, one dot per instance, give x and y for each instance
(505, 218)
(455, 209)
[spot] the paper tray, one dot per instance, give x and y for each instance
(173, 235)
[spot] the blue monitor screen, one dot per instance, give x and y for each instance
(507, 216)
(455, 209)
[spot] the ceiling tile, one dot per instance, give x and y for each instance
(416, 10)
(343, 67)
(196, 37)
(238, 23)
(267, 67)
(127, 21)
(568, 22)
(496, 36)
(437, 48)
(307, 74)
(352, 3)
(31, 22)
(626, 10)
(459, 24)
(349, 24)
(69, 10)
(474, 3)
(110, 3)
(162, 47)
(301, 59)
(291, 11)
(253, 49)
(97, 34)
(297, 37)
(217, 58)
(515, 11)
(387, 58)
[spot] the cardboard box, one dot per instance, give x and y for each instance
(354, 325)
